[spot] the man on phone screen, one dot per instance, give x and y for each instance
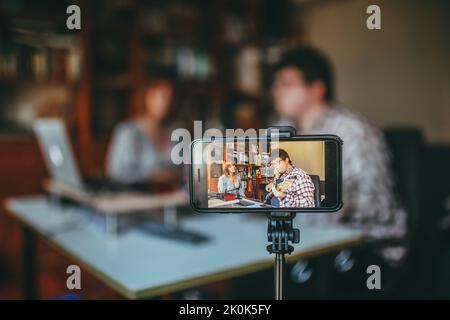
(292, 187)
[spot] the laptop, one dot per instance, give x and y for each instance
(56, 148)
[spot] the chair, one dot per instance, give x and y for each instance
(406, 148)
(316, 181)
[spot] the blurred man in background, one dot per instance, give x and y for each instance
(303, 96)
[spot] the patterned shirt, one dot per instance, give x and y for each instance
(132, 156)
(301, 193)
(368, 196)
(225, 185)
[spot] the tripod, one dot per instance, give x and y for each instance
(280, 232)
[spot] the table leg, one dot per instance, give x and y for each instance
(323, 280)
(29, 263)
(112, 225)
(171, 217)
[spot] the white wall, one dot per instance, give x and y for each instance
(307, 155)
(399, 75)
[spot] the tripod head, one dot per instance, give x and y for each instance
(280, 232)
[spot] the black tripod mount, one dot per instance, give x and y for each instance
(280, 232)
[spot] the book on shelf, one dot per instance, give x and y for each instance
(39, 64)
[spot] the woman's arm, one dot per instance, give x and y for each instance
(122, 155)
(241, 189)
(221, 188)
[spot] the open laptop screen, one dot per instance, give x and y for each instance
(57, 151)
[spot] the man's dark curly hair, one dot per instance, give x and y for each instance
(312, 64)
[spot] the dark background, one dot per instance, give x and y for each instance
(398, 78)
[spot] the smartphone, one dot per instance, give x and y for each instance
(288, 174)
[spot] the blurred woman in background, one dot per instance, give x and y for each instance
(230, 182)
(140, 147)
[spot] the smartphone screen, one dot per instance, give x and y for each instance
(297, 174)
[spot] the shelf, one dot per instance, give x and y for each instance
(31, 82)
(120, 81)
(114, 61)
(52, 40)
(25, 136)
(48, 18)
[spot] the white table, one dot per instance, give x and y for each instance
(140, 265)
(116, 204)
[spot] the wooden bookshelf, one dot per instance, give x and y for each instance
(120, 45)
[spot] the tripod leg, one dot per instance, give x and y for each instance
(279, 276)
